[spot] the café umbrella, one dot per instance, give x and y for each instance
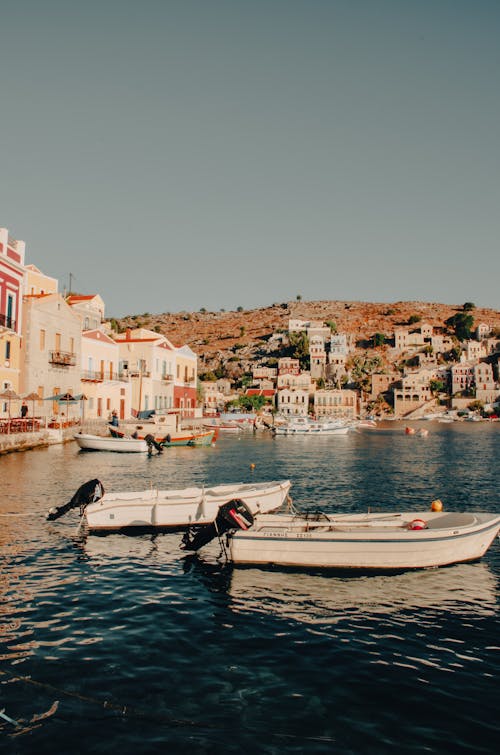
(9, 395)
(32, 397)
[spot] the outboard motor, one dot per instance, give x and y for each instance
(152, 443)
(232, 515)
(89, 492)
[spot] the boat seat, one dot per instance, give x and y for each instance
(453, 519)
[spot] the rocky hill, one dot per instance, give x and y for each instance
(220, 336)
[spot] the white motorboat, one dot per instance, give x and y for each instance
(100, 443)
(381, 541)
(306, 426)
(371, 541)
(169, 509)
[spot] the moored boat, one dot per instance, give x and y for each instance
(168, 509)
(306, 426)
(371, 541)
(406, 540)
(89, 442)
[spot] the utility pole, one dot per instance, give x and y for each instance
(71, 276)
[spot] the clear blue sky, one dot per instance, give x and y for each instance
(179, 154)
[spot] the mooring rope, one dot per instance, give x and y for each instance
(128, 711)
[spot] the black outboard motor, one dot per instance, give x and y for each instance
(153, 444)
(232, 515)
(89, 492)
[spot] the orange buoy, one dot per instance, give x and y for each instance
(252, 466)
(437, 505)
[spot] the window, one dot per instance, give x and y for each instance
(7, 349)
(58, 342)
(42, 340)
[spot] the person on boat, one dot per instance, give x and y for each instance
(114, 418)
(135, 434)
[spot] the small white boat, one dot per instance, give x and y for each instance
(168, 509)
(306, 426)
(381, 541)
(99, 443)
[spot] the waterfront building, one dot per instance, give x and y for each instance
(11, 289)
(103, 386)
(462, 377)
(148, 360)
(293, 402)
(487, 390)
(414, 391)
(340, 403)
(51, 350)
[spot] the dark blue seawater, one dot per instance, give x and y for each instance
(127, 644)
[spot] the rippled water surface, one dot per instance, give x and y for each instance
(128, 643)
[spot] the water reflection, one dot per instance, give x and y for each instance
(319, 598)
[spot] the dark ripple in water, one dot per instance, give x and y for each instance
(208, 658)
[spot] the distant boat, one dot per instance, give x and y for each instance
(99, 443)
(306, 426)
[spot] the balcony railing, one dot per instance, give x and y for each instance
(134, 374)
(97, 376)
(62, 358)
(7, 322)
(167, 378)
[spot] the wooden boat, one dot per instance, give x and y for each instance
(99, 443)
(406, 540)
(168, 509)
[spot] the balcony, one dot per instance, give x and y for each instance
(167, 378)
(62, 358)
(8, 323)
(97, 376)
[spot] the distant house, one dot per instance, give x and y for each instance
(288, 365)
(90, 309)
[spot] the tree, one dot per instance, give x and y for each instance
(378, 339)
(413, 319)
(468, 306)
(239, 309)
(462, 324)
(330, 324)
(298, 297)
(436, 386)
(299, 343)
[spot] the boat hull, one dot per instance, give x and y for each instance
(98, 443)
(372, 544)
(179, 509)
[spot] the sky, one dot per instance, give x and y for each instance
(175, 155)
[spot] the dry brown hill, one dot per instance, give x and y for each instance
(213, 335)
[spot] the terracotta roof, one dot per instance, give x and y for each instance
(78, 297)
(269, 392)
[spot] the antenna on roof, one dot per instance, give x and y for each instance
(70, 291)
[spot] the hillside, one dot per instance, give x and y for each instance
(213, 336)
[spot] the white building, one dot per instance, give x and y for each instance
(293, 402)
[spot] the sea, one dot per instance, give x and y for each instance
(129, 644)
